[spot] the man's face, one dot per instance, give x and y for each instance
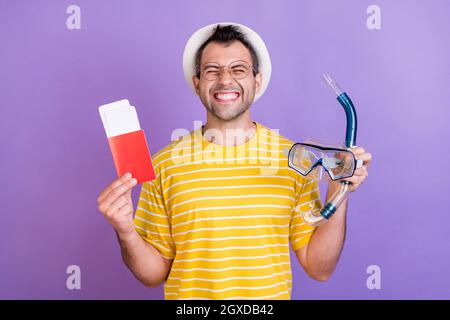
(227, 98)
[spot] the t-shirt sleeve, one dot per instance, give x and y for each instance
(152, 222)
(308, 199)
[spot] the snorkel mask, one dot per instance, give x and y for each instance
(312, 159)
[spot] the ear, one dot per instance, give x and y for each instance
(258, 82)
(196, 82)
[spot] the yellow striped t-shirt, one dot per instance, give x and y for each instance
(226, 215)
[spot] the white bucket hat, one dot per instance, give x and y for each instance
(201, 35)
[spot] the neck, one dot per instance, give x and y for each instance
(233, 132)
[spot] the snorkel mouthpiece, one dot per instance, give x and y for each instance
(330, 207)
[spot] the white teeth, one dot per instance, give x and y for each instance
(226, 96)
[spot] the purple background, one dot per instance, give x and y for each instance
(55, 158)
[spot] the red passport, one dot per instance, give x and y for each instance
(131, 154)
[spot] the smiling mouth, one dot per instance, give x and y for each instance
(226, 96)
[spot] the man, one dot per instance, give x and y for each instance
(217, 221)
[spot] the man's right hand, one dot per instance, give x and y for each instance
(116, 204)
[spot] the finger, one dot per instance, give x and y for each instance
(127, 176)
(117, 192)
(116, 205)
(353, 180)
(361, 172)
(366, 157)
(124, 210)
(357, 150)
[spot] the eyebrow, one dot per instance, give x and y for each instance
(239, 65)
(215, 65)
(211, 66)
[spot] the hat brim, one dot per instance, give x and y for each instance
(201, 35)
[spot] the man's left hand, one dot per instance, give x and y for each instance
(360, 173)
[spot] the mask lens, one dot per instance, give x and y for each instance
(340, 164)
(301, 159)
(304, 158)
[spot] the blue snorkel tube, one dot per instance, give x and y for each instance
(330, 207)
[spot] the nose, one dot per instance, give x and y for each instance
(225, 77)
